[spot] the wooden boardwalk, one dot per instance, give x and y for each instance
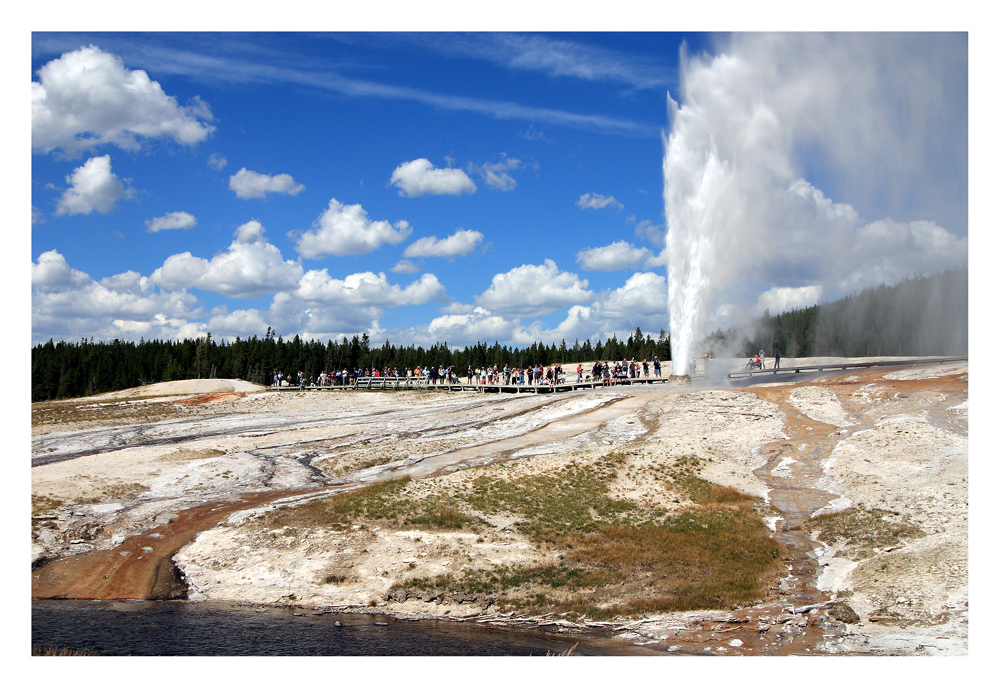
(793, 369)
(380, 384)
(383, 384)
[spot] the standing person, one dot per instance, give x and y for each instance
(777, 360)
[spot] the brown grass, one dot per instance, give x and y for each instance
(865, 531)
(620, 558)
(45, 651)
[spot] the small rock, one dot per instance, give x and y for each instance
(841, 611)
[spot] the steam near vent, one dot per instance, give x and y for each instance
(804, 167)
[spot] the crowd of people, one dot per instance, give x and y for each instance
(607, 373)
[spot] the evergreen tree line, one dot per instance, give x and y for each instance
(920, 316)
(62, 370)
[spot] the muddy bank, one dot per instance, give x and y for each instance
(893, 445)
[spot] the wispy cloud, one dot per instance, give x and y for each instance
(556, 57)
(242, 62)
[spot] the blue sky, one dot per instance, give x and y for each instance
(428, 187)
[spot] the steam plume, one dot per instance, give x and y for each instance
(879, 120)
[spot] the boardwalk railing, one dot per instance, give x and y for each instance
(374, 383)
(786, 369)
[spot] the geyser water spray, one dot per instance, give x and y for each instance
(705, 207)
(863, 113)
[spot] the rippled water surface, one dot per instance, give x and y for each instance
(197, 628)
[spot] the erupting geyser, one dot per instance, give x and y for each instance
(703, 208)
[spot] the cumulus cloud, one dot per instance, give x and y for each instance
(365, 289)
(461, 243)
(346, 230)
(248, 184)
(324, 307)
(478, 325)
(617, 256)
(533, 290)
(67, 303)
(87, 98)
(640, 302)
(175, 220)
(93, 186)
(420, 178)
(250, 268)
(597, 201)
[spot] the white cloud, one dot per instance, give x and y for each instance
(364, 289)
(461, 243)
(346, 230)
(53, 273)
(533, 290)
(404, 267)
(617, 256)
(781, 299)
(93, 186)
(478, 325)
(640, 302)
(174, 220)
(420, 178)
(250, 268)
(217, 162)
(248, 184)
(497, 174)
(596, 201)
(561, 58)
(87, 98)
(653, 233)
(323, 307)
(67, 304)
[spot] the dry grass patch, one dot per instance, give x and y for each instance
(619, 557)
(605, 556)
(101, 414)
(378, 504)
(865, 532)
(46, 651)
(43, 504)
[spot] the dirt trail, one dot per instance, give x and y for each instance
(141, 567)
